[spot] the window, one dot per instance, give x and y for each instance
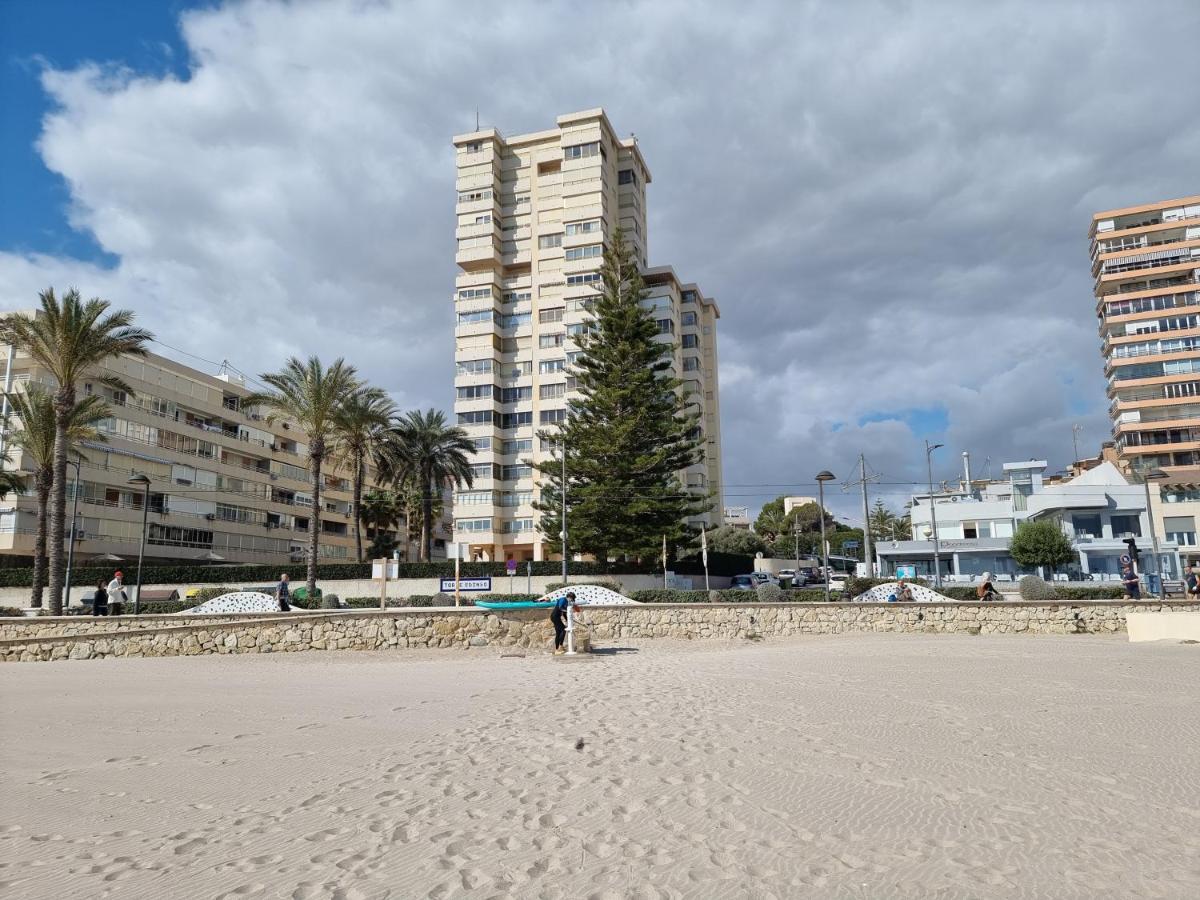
(590, 227)
(690, 341)
(687, 318)
(626, 176)
(552, 391)
(473, 367)
(976, 529)
(524, 445)
(548, 366)
(482, 443)
(582, 151)
(473, 147)
(581, 304)
(547, 241)
(688, 297)
(548, 341)
(1181, 529)
(472, 524)
(484, 470)
(474, 293)
(665, 326)
(552, 416)
(1086, 525)
(691, 364)
(515, 394)
(584, 278)
(475, 316)
(520, 199)
(515, 419)
(573, 356)
(515, 296)
(478, 417)
(551, 315)
(472, 196)
(515, 320)
(587, 252)
(514, 472)
(483, 219)
(578, 328)
(516, 498)
(514, 526)
(473, 498)
(517, 369)
(475, 392)
(1126, 526)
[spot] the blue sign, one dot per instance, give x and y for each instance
(467, 584)
(850, 545)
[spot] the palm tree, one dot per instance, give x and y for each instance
(360, 430)
(70, 338)
(379, 512)
(311, 396)
(430, 454)
(35, 409)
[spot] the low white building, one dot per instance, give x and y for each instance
(1099, 510)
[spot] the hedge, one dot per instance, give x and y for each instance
(659, 595)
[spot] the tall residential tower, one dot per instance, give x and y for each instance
(1146, 266)
(533, 213)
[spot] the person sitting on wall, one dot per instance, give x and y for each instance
(904, 593)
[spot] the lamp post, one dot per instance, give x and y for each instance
(74, 521)
(144, 481)
(937, 549)
(1147, 477)
(564, 513)
(823, 477)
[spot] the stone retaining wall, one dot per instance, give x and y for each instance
(47, 639)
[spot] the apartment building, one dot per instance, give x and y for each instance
(225, 484)
(1146, 266)
(533, 213)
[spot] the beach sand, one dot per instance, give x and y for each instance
(867, 766)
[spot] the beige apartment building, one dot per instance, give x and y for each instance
(1146, 266)
(533, 213)
(225, 484)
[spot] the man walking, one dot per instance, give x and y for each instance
(283, 593)
(116, 589)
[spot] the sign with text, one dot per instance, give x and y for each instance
(467, 584)
(511, 566)
(393, 569)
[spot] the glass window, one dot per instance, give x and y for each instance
(552, 391)
(587, 252)
(1126, 526)
(551, 315)
(582, 151)
(591, 227)
(690, 341)
(687, 318)
(1087, 525)
(547, 241)
(626, 176)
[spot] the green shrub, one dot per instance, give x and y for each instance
(962, 594)
(769, 593)
(160, 607)
(1035, 590)
(1107, 592)
(204, 594)
(11, 612)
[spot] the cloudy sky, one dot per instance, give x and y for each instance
(888, 199)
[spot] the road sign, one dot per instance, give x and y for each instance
(850, 545)
(467, 584)
(511, 566)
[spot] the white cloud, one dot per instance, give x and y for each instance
(890, 206)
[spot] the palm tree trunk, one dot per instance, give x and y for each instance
(316, 452)
(39, 545)
(358, 482)
(64, 399)
(427, 521)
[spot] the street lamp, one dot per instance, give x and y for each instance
(74, 521)
(937, 549)
(823, 477)
(1147, 477)
(144, 481)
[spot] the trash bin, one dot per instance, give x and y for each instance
(1152, 584)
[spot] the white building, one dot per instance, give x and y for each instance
(1098, 510)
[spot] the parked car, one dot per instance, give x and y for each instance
(743, 583)
(787, 573)
(765, 578)
(806, 576)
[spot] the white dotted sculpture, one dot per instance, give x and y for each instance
(236, 602)
(884, 592)
(589, 595)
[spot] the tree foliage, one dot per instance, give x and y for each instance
(628, 434)
(359, 435)
(1041, 543)
(886, 525)
(742, 541)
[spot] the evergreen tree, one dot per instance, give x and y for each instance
(627, 435)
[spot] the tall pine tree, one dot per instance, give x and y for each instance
(627, 435)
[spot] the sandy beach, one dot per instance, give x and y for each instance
(853, 766)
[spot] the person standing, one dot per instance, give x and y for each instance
(1129, 578)
(1192, 584)
(116, 588)
(558, 619)
(100, 600)
(283, 593)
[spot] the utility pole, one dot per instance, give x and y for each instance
(564, 511)
(863, 480)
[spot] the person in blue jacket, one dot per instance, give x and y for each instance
(558, 618)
